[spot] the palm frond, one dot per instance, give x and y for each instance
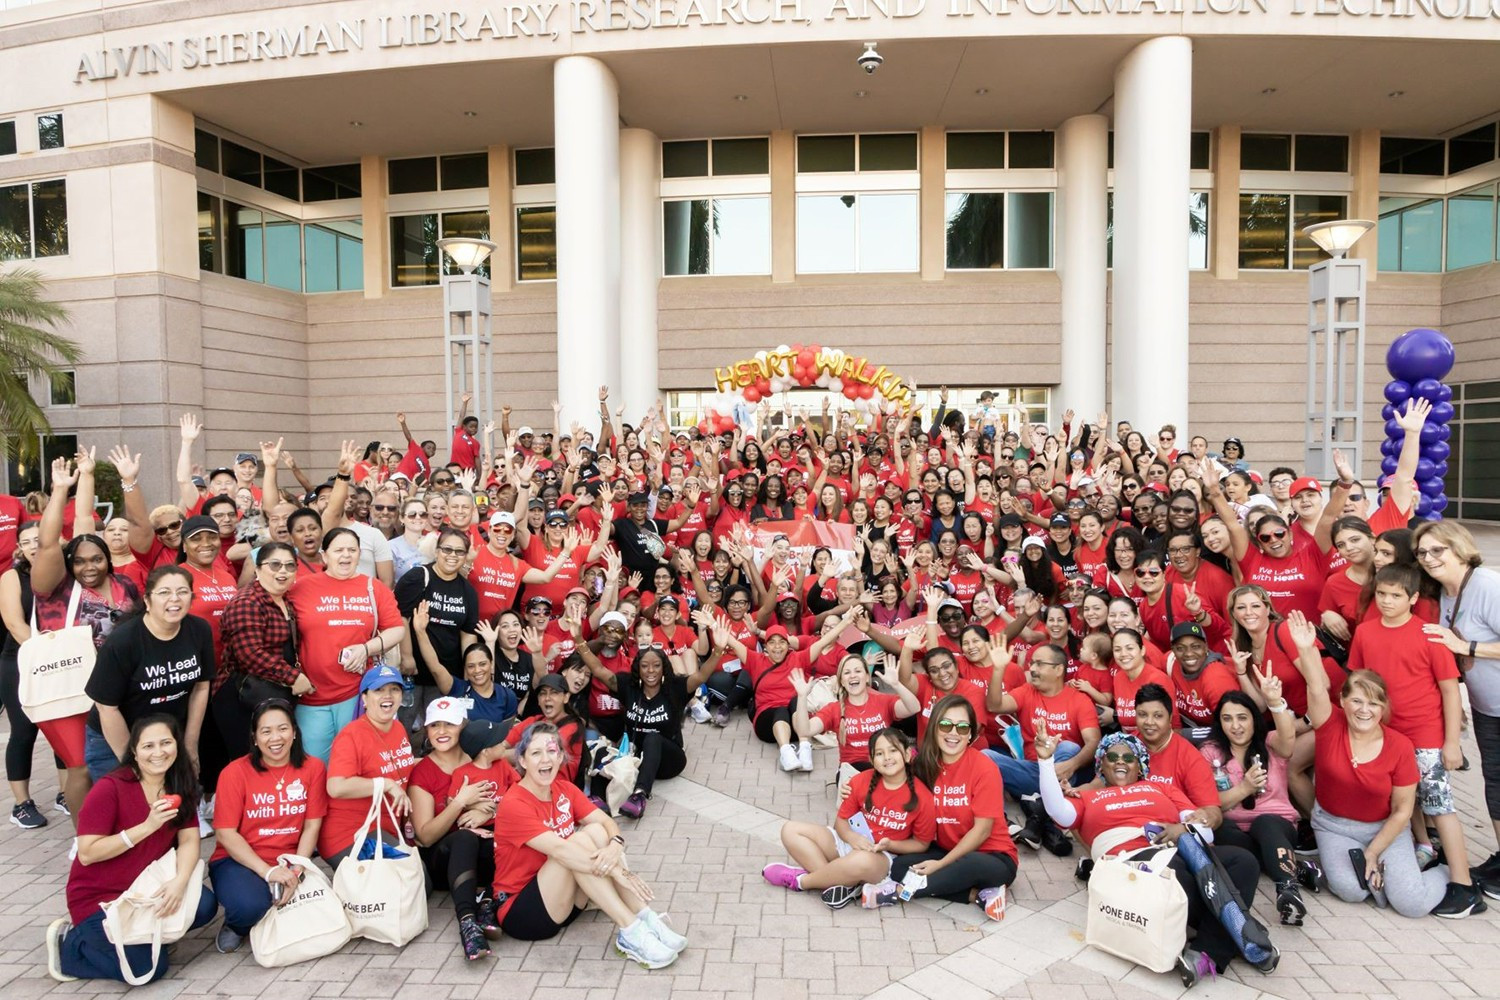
(30, 347)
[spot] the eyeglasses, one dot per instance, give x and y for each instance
(949, 725)
(739, 602)
(1148, 572)
(1047, 663)
(1356, 498)
(952, 616)
(1274, 535)
(279, 566)
(1431, 554)
(452, 550)
(383, 506)
(1180, 550)
(442, 482)
(414, 513)
(1183, 510)
(172, 526)
(1281, 481)
(1121, 758)
(166, 594)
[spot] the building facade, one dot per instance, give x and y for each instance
(1081, 203)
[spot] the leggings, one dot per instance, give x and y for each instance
(1487, 735)
(733, 688)
(661, 758)
(22, 730)
(1272, 838)
(231, 721)
(1212, 938)
(1409, 890)
(766, 721)
(461, 862)
(975, 870)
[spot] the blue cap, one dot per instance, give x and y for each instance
(380, 677)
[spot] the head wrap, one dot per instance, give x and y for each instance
(1132, 743)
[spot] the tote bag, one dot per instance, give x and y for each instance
(385, 898)
(312, 924)
(1137, 910)
(131, 918)
(55, 667)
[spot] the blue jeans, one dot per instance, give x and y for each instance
(321, 723)
(98, 754)
(1023, 777)
(244, 895)
(87, 953)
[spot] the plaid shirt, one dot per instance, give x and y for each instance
(256, 634)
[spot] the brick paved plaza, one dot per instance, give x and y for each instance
(702, 845)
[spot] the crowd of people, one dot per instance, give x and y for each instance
(1110, 640)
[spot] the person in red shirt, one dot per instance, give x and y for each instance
(1338, 604)
(1199, 678)
(465, 450)
(497, 575)
(371, 756)
(940, 677)
(553, 847)
(886, 813)
(12, 516)
(1131, 673)
(269, 803)
(1174, 760)
(858, 713)
(775, 695)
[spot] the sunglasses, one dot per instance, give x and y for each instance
(442, 482)
(1121, 758)
(383, 506)
(948, 726)
(451, 550)
(1148, 572)
(278, 566)
(1274, 535)
(952, 616)
(164, 529)
(1183, 510)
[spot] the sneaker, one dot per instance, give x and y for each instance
(1488, 868)
(1272, 960)
(1290, 905)
(720, 716)
(1084, 870)
(642, 947)
(1309, 876)
(1426, 856)
(61, 805)
(804, 755)
(1488, 885)
(1459, 901)
(839, 896)
(783, 875)
(874, 895)
(488, 922)
(472, 936)
(1193, 965)
(789, 759)
(27, 816)
(657, 924)
(228, 940)
(599, 804)
(1055, 840)
(56, 931)
(992, 902)
(1030, 834)
(698, 713)
(635, 806)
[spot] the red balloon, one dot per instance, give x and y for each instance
(724, 426)
(806, 378)
(797, 348)
(851, 390)
(806, 358)
(752, 393)
(866, 391)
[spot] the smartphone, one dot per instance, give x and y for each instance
(1152, 831)
(276, 890)
(1357, 859)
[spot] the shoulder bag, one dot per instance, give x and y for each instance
(131, 918)
(312, 924)
(385, 898)
(55, 667)
(1137, 910)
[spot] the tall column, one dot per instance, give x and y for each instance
(1083, 215)
(587, 146)
(640, 267)
(1153, 121)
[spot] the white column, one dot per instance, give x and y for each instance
(1083, 214)
(587, 147)
(640, 267)
(1153, 121)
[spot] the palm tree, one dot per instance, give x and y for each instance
(29, 346)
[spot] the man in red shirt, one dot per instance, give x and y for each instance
(1200, 678)
(1175, 761)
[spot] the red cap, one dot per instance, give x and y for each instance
(773, 632)
(1256, 478)
(578, 590)
(1305, 483)
(566, 498)
(787, 595)
(1156, 487)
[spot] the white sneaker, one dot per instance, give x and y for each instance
(789, 760)
(56, 931)
(698, 713)
(644, 948)
(804, 755)
(206, 808)
(664, 934)
(73, 850)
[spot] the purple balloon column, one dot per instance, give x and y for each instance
(1417, 361)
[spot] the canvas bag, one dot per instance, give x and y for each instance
(131, 918)
(55, 667)
(385, 898)
(312, 924)
(1136, 914)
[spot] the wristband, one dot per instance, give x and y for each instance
(1473, 645)
(344, 476)
(126, 837)
(617, 839)
(127, 487)
(1279, 709)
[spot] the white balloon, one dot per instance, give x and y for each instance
(823, 381)
(782, 348)
(836, 384)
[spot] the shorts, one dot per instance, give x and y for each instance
(1434, 794)
(527, 918)
(845, 850)
(66, 737)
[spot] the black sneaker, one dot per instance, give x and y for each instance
(1460, 901)
(487, 920)
(1055, 841)
(1030, 834)
(839, 896)
(1192, 966)
(1309, 876)
(1084, 870)
(1272, 960)
(1289, 904)
(1488, 868)
(1488, 885)
(472, 936)
(27, 816)
(61, 805)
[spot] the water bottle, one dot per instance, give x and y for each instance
(1221, 778)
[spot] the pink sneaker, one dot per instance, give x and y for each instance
(783, 875)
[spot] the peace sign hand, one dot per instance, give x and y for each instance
(1192, 602)
(1270, 685)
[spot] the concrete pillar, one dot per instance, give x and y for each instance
(1364, 200)
(587, 141)
(377, 249)
(933, 213)
(1153, 121)
(783, 206)
(1224, 210)
(502, 222)
(640, 268)
(1083, 189)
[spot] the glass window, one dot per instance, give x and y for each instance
(976, 151)
(62, 388)
(888, 232)
(535, 166)
(825, 233)
(1411, 234)
(281, 178)
(1308, 210)
(888, 152)
(474, 224)
(414, 252)
(536, 242)
(825, 154)
(239, 163)
(331, 183)
(1199, 147)
(741, 157)
(49, 131)
(1031, 150)
(335, 255)
(49, 217)
(1411, 156)
(1472, 148)
(465, 171)
(1028, 230)
(15, 222)
(685, 159)
(685, 228)
(7, 138)
(1326, 153)
(1471, 228)
(244, 256)
(975, 230)
(716, 236)
(412, 176)
(1265, 152)
(210, 257)
(865, 232)
(283, 253)
(1198, 229)
(206, 150)
(1265, 220)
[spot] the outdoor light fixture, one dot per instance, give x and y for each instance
(1337, 237)
(465, 252)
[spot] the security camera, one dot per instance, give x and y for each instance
(869, 60)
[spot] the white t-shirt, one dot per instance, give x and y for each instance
(373, 547)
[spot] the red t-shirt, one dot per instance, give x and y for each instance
(1197, 697)
(414, 464)
(966, 790)
(12, 516)
(772, 683)
(860, 722)
(497, 580)
(1179, 764)
(887, 814)
(1293, 582)
(362, 751)
(213, 589)
(539, 556)
(1124, 691)
(1280, 658)
(1068, 714)
(332, 614)
(115, 803)
(520, 818)
(1361, 793)
(929, 696)
(1388, 516)
(1104, 809)
(465, 450)
(1411, 667)
(157, 555)
(429, 776)
(1341, 594)
(269, 808)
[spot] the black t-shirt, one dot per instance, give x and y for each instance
(661, 714)
(630, 539)
(516, 676)
(140, 674)
(452, 609)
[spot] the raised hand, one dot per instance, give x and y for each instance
(84, 461)
(126, 464)
(1000, 655)
(270, 452)
(1342, 467)
(420, 615)
(63, 473)
(488, 633)
(348, 457)
(1414, 416)
(1302, 631)
(1269, 683)
(189, 427)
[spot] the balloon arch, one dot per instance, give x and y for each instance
(869, 386)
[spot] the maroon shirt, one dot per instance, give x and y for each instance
(115, 803)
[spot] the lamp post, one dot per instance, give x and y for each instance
(1335, 348)
(466, 327)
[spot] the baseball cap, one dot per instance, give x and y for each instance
(1184, 630)
(200, 482)
(1383, 482)
(525, 432)
(1010, 521)
(1033, 542)
(449, 710)
(1157, 488)
(245, 456)
(668, 599)
(556, 516)
(504, 517)
(949, 602)
(639, 496)
(223, 470)
(773, 632)
(1060, 521)
(379, 678)
(787, 595)
(537, 502)
(197, 523)
(613, 618)
(1305, 483)
(553, 681)
(539, 602)
(577, 590)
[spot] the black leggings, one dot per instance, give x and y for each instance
(461, 862)
(231, 721)
(1272, 838)
(765, 721)
(661, 759)
(733, 688)
(23, 731)
(1487, 735)
(611, 727)
(975, 870)
(1212, 939)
